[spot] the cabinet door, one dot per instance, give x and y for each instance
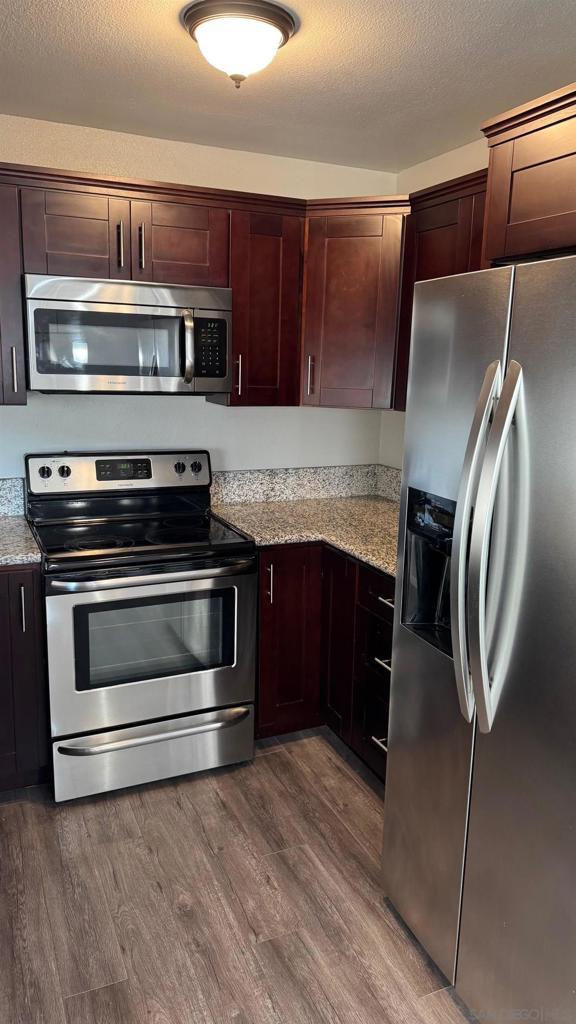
(75, 234)
(266, 253)
(338, 604)
(178, 243)
(290, 638)
(7, 737)
(28, 671)
(371, 695)
(353, 272)
(12, 360)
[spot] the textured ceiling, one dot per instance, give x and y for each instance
(367, 83)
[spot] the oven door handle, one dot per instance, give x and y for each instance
(90, 746)
(231, 568)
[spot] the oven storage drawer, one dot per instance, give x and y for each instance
(157, 750)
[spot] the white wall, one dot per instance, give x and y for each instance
(391, 448)
(237, 438)
(463, 160)
(71, 147)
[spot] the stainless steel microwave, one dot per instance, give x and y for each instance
(121, 336)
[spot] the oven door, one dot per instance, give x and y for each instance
(114, 347)
(123, 651)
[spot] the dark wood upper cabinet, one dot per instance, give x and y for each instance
(75, 234)
(178, 243)
(531, 202)
(266, 259)
(443, 237)
(12, 348)
(290, 585)
(83, 235)
(353, 270)
(24, 728)
(338, 608)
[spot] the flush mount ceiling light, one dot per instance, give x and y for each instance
(239, 37)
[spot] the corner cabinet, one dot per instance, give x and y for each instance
(265, 271)
(443, 237)
(338, 620)
(353, 273)
(109, 236)
(531, 202)
(290, 591)
(24, 725)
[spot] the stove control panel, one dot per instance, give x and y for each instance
(69, 473)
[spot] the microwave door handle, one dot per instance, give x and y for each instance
(188, 324)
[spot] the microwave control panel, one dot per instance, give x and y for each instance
(210, 347)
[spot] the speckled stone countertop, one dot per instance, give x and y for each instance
(17, 545)
(366, 528)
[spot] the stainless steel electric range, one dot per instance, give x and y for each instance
(151, 618)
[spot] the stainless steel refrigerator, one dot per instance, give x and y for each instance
(480, 817)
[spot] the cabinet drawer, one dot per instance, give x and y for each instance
(376, 705)
(376, 592)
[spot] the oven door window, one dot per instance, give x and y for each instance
(100, 343)
(135, 640)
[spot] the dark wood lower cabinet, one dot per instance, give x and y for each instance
(325, 647)
(24, 728)
(290, 588)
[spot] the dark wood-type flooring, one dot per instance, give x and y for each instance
(249, 895)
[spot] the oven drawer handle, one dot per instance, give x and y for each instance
(82, 586)
(227, 719)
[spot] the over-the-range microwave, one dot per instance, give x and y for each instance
(122, 336)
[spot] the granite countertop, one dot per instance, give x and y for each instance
(366, 528)
(17, 545)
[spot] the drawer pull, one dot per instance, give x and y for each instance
(388, 601)
(380, 743)
(384, 663)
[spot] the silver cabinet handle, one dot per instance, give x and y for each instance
(386, 600)
(466, 496)
(310, 382)
(120, 230)
(89, 748)
(14, 369)
(231, 568)
(379, 743)
(188, 321)
(23, 609)
(384, 663)
(239, 361)
(487, 691)
(270, 570)
(142, 246)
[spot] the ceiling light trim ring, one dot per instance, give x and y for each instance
(259, 10)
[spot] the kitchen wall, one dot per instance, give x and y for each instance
(238, 438)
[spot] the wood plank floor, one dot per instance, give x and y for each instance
(248, 895)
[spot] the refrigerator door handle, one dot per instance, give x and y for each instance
(466, 495)
(487, 690)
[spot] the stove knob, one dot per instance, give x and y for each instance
(196, 466)
(179, 468)
(45, 472)
(64, 471)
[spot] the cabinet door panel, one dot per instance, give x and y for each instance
(290, 639)
(266, 253)
(12, 358)
(338, 600)
(371, 694)
(7, 737)
(353, 273)
(177, 243)
(74, 234)
(28, 669)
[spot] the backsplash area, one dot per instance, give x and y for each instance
(266, 485)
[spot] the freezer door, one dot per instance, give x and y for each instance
(459, 328)
(517, 957)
